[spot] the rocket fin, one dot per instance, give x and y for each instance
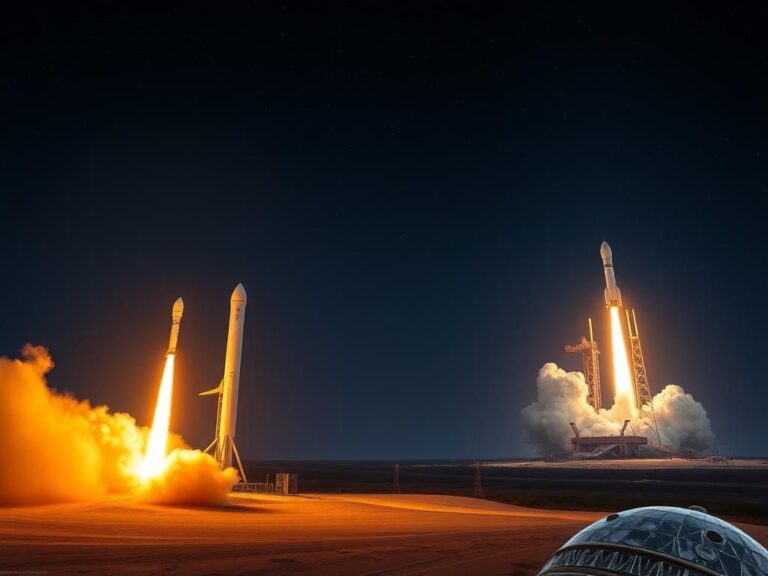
(212, 391)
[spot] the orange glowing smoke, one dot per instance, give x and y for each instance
(154, 458)
(622, 376)
(57, 448)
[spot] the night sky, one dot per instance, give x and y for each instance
(414, 199)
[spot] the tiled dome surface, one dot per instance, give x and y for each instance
(695, 537)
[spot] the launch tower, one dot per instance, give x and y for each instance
(642, 389)
(590, 356)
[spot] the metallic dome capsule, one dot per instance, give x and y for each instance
(658, 540)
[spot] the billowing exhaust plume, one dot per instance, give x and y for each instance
(562, 398)
(56, 448)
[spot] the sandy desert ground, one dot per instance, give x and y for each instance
(313, 534)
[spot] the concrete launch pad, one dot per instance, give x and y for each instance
(321, 534)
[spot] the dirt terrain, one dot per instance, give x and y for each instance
(314, 534)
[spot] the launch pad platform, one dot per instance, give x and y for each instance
(607, 446)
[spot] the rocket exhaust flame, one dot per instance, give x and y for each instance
(154, 458)
(622, 376)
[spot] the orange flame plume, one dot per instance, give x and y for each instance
(154, 458)
(622, 376)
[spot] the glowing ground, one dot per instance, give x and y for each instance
(328, 534)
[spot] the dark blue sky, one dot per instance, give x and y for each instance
(413, 198)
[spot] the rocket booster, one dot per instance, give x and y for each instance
(231, 381)
(224, 442)
(176, 313)
(612, 292)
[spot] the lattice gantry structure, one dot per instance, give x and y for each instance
(642, 389)
(590, 356)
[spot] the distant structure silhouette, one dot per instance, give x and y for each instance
(478, 481)
(396, 484)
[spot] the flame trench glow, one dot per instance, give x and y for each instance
(154, 458)
(622, 376)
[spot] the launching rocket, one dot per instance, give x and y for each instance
(612, 292)
(176, 313)
(224, 442)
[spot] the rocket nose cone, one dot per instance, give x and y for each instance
(178, 308)
(605, 251)
(238, 294)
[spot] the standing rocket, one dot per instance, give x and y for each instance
(612, 292)
(226, 421)
(176, 313)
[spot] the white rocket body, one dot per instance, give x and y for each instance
(612, 292)
(176, 314)
(231, 381)
(226, 420)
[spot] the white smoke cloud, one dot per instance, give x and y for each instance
(56, 448)
(682, 420)
(562, 398)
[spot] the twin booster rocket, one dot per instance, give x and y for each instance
(612, 292)
(227, 390)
